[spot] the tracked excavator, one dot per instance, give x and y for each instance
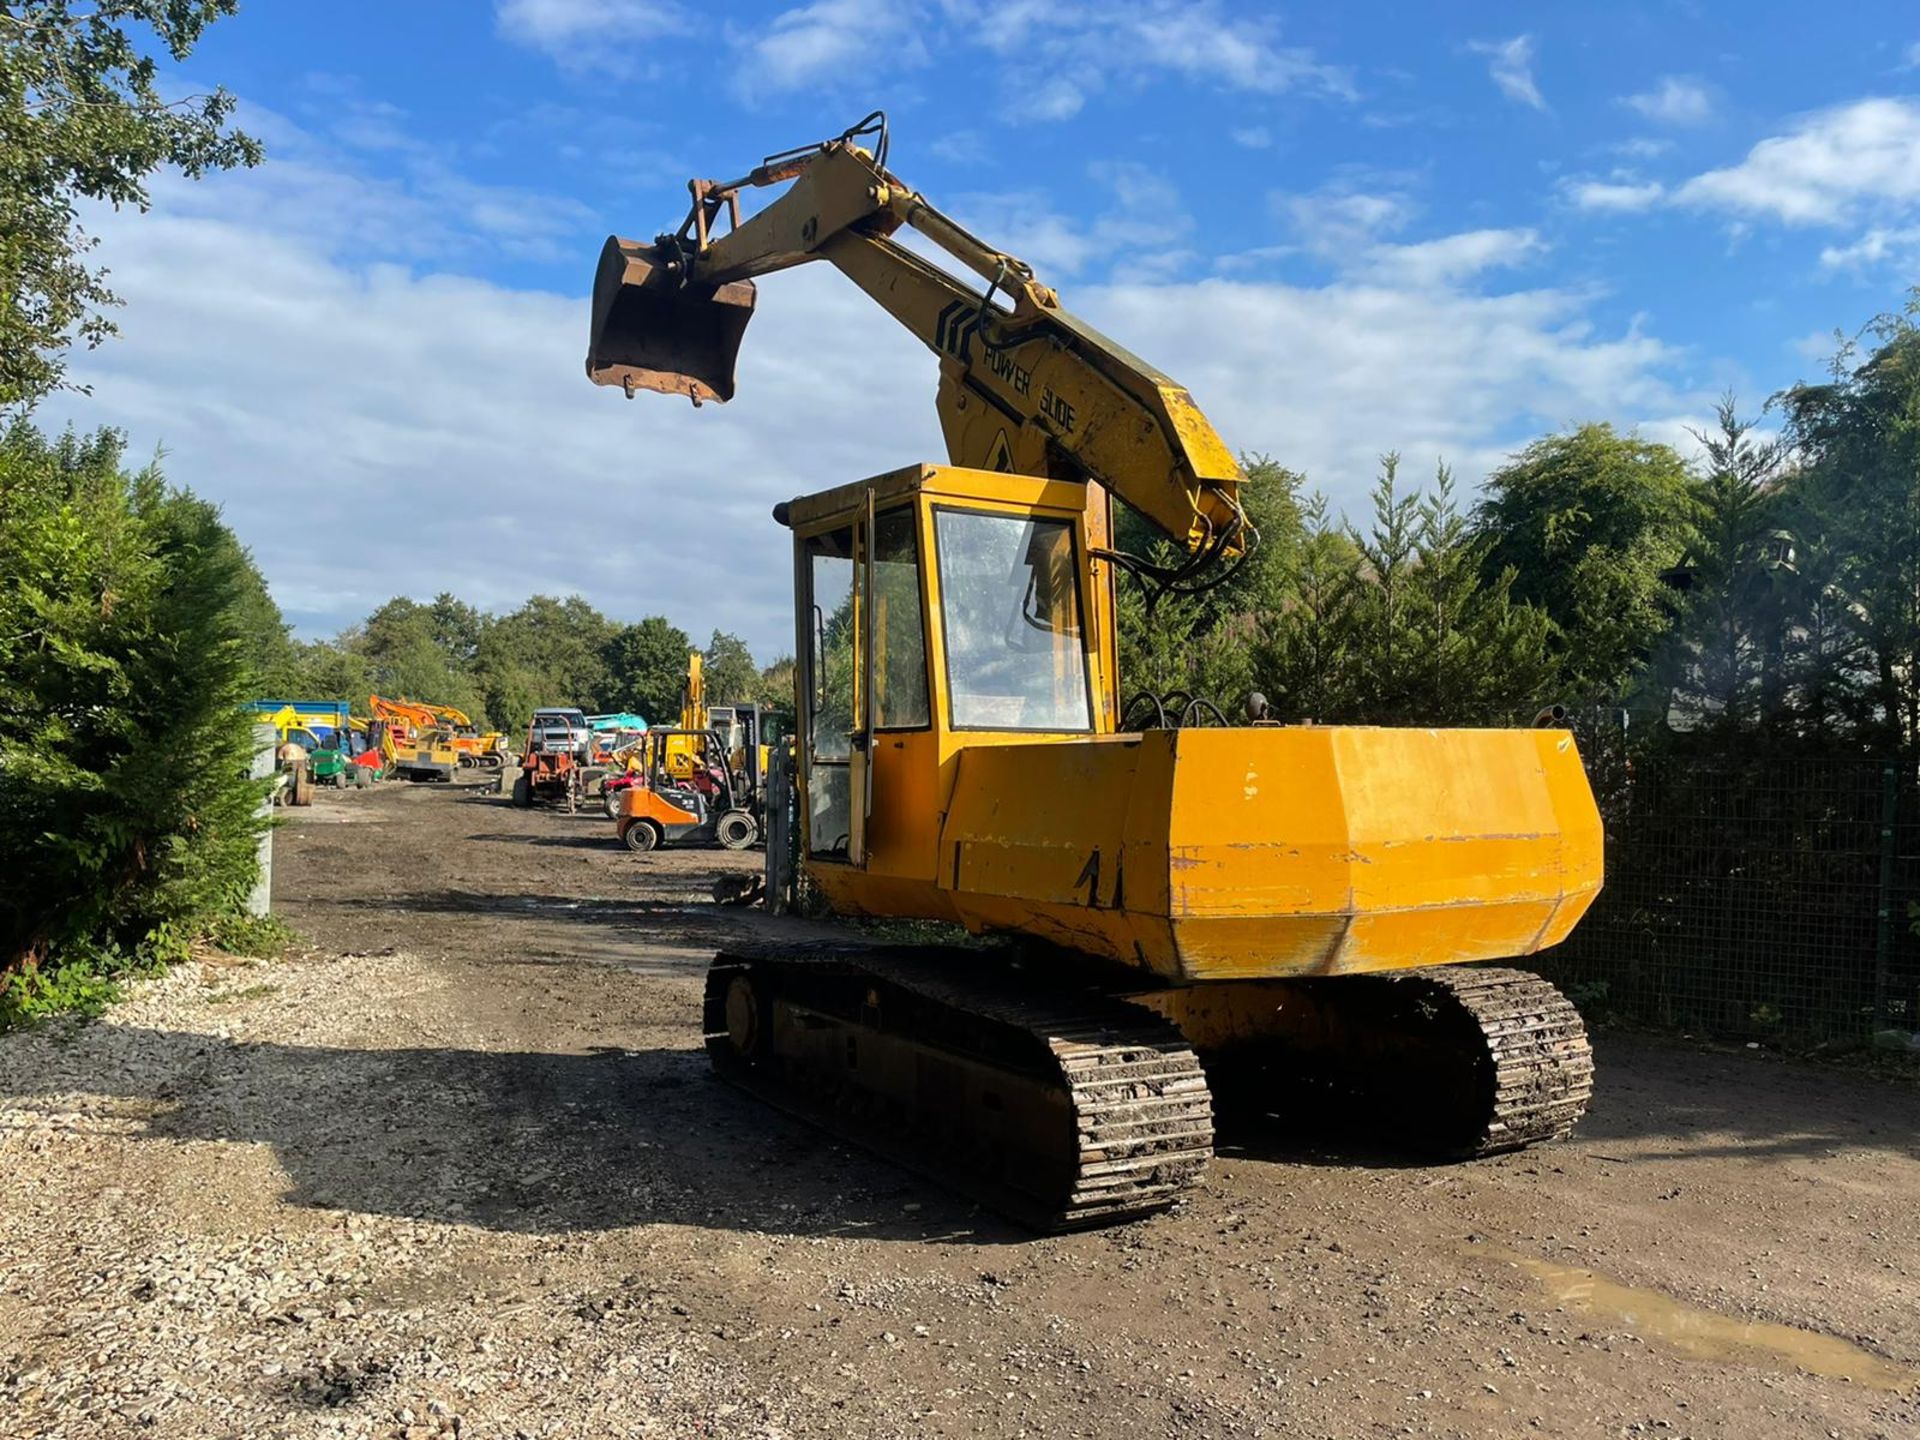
(1274, 916)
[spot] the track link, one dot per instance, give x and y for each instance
(1536, 1056)
(1059, 1108)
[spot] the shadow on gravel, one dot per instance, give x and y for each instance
(541, 1144)
(1664, 1099)
(1654, 1099)
(601, 839)
(634, 928)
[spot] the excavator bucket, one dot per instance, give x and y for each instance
(652, 333)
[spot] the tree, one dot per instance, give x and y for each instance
(1855, 505)
(1479, 659)
(1199, 642)
(1270, 496)
(1382, 617)
(1724, 662)
(1399, 625)
(403, 659)
(82, 119)
(455, 626)
(774, 689)
(559, 645)
(125, 809)
(272, 657)
(647, 669)
(330, 669)
(1301, 656)
(731, 675)
(1182, 652)
(1589, 522)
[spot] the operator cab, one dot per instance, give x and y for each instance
(937, 607)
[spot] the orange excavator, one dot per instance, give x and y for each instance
(1280, 917)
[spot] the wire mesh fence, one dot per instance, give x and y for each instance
(1763, 898)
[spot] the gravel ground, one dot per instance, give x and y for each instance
(459, 1169)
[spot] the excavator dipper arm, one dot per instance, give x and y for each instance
(1024, 385)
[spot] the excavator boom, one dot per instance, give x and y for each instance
(1025, 386)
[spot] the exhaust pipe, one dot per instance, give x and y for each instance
(652, 332)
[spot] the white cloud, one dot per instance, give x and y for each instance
(1055, 55)
(422, 208)
(1819, 346)
(1141, 230)
(1676, 100)
(1641, 147)
(835, 43)
(1619, 196)
(1430, 264)
(1510, 63)
(1327, 377)
(1347, 227)
(1253, 137)
(960, 147)
(1337, 222)
(1830, 169)
(373, 428)
(590, 34)
(1876, 247)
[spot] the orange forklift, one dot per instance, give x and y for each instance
(711, 805)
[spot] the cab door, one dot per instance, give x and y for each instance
(828, 630)
(860, 743)
(864, 639)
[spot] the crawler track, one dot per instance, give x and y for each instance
(1535, 1070)
(1456, 1062)
(1059, 1108)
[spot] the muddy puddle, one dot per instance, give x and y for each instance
(1703, 1334)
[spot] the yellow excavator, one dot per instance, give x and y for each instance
(740, 726)
(1270, 915)
(477, 749)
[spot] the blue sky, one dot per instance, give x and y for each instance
(1438, 229)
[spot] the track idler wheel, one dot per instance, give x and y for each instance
(746, 1017)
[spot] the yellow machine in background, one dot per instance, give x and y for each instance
(678, 753)
(486, 750)
(423, 747)
(1289, 904)
(740, 726)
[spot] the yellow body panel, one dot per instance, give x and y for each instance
(1239, 853)
(1205, 853)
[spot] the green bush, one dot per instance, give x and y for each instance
(263, 937)
(126, 816)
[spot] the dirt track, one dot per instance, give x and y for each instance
(462, 1170)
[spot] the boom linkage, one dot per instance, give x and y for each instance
(1024, 386)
